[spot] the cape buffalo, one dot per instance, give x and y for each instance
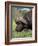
(24, 22)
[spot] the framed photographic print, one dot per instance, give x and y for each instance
(20, 22)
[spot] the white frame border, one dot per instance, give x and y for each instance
(33, 25)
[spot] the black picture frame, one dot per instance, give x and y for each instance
(7, 22)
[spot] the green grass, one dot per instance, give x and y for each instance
(21, 34)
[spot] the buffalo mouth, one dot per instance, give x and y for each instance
(19, 27)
